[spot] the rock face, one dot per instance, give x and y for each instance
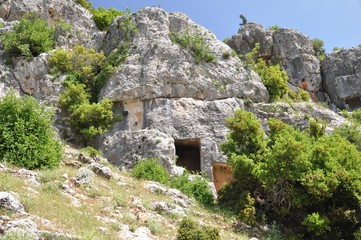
(171, 105)
(84, 29)
(341, 73)
(298, 114)
(290, 48)
(158, 68)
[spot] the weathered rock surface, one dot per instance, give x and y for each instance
(10, 203)
(290, 48)
(167, 123)
(84, 29)
(341, 73)
(298, 114)
(158, 68)
(125, 148)
(32, 75)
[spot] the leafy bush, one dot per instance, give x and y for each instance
(87, 119)
(274, 27)
(190, 230)
(196, 43)
(196, 187)
(81, 63)
(27, 138)
(103, 18)
(90, 151)
(85, 4)
(87, 66)
(316, 224)
(273, 77)
(30, 37)
(298, 96)
(291, 174)
(150, 169)
(319, 49)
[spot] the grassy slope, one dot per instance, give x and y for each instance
(109, 199)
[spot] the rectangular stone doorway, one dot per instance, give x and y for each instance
(189, 154)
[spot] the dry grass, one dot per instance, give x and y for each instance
(106, 199)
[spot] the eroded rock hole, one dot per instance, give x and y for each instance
(189, 154)
(353, 102)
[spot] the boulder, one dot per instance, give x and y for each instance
(10, 203)
(341, 73)
(125, 148)
(250, 34)
(32, 75)
(101, 170)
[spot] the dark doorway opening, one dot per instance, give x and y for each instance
(189, 154)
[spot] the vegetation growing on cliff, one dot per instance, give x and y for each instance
(196, 43)
(273, 77)
(305, 181)
(30, 37)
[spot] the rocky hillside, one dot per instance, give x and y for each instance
(171, 86)
(87, 198)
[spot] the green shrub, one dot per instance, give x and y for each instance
(85, 4)
(150, 169)
(83, 64)
(103, 18)
(319, 49)
(30, 37)
(293, 175)
(90, 151)
(196, 43)
(197, 187)
(316, 224)
(87, 119)
(298, 96)
(273, 77)
(190, 230)
(91, 119)
(27, 138)
(274, 27)
(87, 66)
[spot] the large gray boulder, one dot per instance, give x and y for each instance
(250, 34)
(341, 73)
(290, 48)
(10, 203)
(158, 68)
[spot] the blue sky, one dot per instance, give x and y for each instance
(336, 22)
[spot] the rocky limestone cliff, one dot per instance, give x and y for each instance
(341, 73)
(170, 102)
(84, 30)
(288, 47)
(161, 87)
